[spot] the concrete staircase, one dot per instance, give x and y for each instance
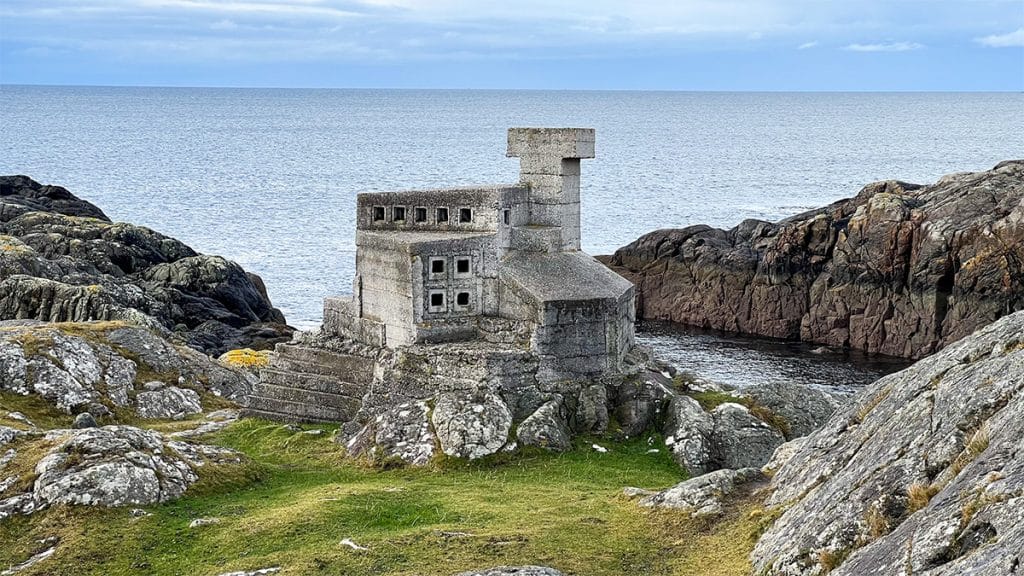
(310, 385)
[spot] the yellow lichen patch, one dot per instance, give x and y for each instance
(246, 358)
(12, 245)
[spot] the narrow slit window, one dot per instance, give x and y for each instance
(505, 217)
(378, 213)
(437, 266)
(462, 266)
(462, 299)
(399, 213)
(420, 215)
(465, 215)
(442, 215)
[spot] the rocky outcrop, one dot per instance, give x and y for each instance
(706, 495)
(108, 466)
(63, 260)
(900, 269)
(923, 473)
(104, 367)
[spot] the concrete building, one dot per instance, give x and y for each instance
(493, 269)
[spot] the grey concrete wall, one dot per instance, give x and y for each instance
(483, 202)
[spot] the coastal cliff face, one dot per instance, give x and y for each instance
(923, 473)
(63, 260)
(900, 269)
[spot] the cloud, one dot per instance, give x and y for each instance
(807, 45)
(884, 47)
(1008, 40)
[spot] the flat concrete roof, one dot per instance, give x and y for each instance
(563, 276)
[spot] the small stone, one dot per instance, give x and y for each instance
(98, 410)
(634, 492)
(84, 420)
(200, 522)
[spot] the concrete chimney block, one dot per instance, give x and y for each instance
(555, 142)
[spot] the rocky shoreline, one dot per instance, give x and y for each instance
(106, 331)
(900, 269)
(63, 260)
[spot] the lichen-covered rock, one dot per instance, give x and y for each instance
(923, 473)
(900, 269)
(637, 401)
(803, 408)
(64, 261)
(84, 420)
(546, 428)
(170, 402)
(471, 424)
(591, 415)
(96, 367)
(402, 432)
(703, 495)
(740, 439)
(112, 466)
(688, 432)
(514, 571)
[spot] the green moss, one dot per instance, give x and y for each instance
(35, 408)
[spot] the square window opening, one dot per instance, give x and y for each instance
(420, 215)
(462, 266)
(437, 266)
(378, 213)
(437, 300)
(442, 215)
(399, 213)
(465, 215)
(462, 299)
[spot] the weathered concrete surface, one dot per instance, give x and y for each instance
(63, 260)
(99, 367)
(900, 269)
(923, 473)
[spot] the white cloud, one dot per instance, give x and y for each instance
(1008, 40)
(807, 45)
(884, 47)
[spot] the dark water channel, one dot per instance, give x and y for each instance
(745, 360)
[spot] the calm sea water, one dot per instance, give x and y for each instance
(269, 177)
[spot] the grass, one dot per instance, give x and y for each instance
(298, 498)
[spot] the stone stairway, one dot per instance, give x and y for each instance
(308, 384)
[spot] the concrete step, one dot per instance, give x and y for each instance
(345, 404)
(312, 382)
(279, 417)
(347, 367)
(290, 411)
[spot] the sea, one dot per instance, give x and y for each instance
(268, 177)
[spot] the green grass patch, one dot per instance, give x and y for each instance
(298, 498)
(35, 408)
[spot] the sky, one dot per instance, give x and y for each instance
(815, 45)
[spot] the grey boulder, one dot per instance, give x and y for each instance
(402, 432)
(546, 428)
(741, 440)
(704, 495)
(688, 432)
(170, 402)
(471, 424)
(804, 408)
